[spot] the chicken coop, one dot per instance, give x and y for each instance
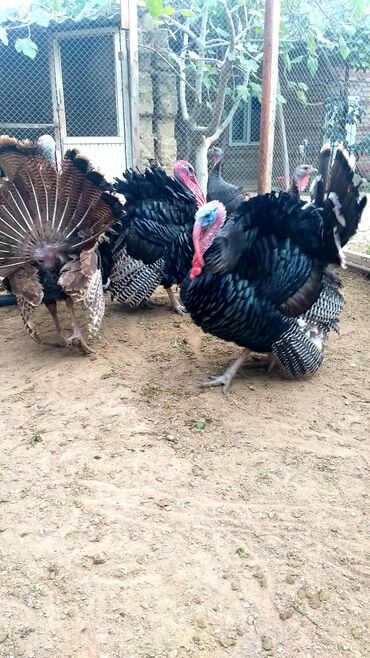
(77, 89)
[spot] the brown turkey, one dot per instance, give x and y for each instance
(50, 223)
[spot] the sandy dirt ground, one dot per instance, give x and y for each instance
(143, 517)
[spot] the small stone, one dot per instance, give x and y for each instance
(267, 644)
(303, 593)
(286, 613)
(227, 640)
(165, 503)
(235, 584)
(99, 558)
(260, 576)
(291, 578)
(357, 632)
(324, 595)
(314, 602)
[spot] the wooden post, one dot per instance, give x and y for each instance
(133, 58)
(269, 88)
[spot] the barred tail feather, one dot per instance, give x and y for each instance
(131, 281)
(296, 353)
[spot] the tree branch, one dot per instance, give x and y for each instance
(182, 83)
(200, 68)
(225, 124)
(184, 28)
(224, 75)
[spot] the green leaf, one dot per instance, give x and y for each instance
(287, 61)
(343, 48)
(156, 8)
(27, 47)
(312, 65)
(243, 92)
(39, 16)
(3, 36)
(243, 552)
(301, 96)
(6, 14)
(187, 13)
(280, 99)
(358, 8)
(196, 425)
(311, 43)
(302, 85)
(168, 11)
(256, 89)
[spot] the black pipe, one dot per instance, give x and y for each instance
(8, 300)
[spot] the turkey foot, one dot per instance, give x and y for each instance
(226, 378)
(77, 340)
(177, 307)
(60, 341)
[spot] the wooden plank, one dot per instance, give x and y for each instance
(125, 83)
(27, 126)
(358, 260)
(124, 14)
(134, 82)
(269, 90)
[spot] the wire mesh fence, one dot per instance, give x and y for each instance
(77, 86)
(73, 89)
(320, 100)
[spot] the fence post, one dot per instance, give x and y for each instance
(269, 90)
(134, 79)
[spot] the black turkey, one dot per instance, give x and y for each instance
(254, 278)
(155, 243)
(231, 196)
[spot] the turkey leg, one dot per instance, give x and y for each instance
(268, 362)
(76, 339)
(177, 307)
(229, 374)
(52, 308)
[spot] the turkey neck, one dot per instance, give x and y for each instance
(216, 170)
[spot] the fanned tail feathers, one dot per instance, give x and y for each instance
(341, 202)
(42, 211)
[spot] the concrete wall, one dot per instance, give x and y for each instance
(158, 98)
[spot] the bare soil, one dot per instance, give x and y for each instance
(143, 517)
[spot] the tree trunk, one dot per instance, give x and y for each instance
(201, 161)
